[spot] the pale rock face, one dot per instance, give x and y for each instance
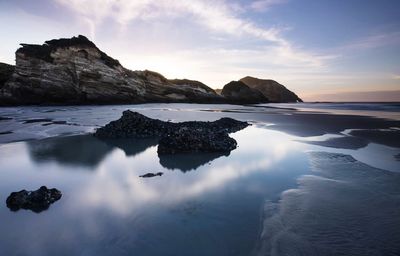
(75, 71)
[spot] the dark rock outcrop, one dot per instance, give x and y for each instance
(238, 92)
(271, 89)
(6, 72)
(192, 136)
(151, 175)
(136, 125)
(36, 201)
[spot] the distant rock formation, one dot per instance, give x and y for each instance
(74, 71)
(238, 92)
(271, 89)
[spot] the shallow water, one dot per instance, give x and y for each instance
(273, 195)
(106, 207)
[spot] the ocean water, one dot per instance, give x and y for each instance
(292, 187)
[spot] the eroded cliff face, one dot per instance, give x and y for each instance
(75, 71)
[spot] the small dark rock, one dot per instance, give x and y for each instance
(4, 118)
(38, 120)
(55, 122)
(36, 201)
(5, 132)
(151, 175)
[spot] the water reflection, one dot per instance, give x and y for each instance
(112, 209)
(132, 147)
(84, 150)
(81, 150)
(88, 151)
(188, 162)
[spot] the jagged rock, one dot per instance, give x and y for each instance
(151, 175)
(133, 125)
(271, 89)
(136, 125)
(192, 136)
(238, 92)
(37, 201)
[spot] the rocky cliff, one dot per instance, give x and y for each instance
(76, 71)
(271, 89)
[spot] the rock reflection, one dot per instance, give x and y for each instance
(124, 192)
(83, 150)
(131, 147)
(88, 151)
(188, 162)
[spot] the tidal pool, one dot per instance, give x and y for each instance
(292, 187)
(203, 205)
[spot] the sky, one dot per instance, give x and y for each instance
(343, 50)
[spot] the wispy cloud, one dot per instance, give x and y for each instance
(374, 41)
(363, 96)
(264, 5)
(215, 15)
(218, 16)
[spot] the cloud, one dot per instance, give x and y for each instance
(218, 16)
(357, 96)
(214, 15)
(374, 41)
(263, 5)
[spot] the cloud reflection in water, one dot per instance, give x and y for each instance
(122, 190)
